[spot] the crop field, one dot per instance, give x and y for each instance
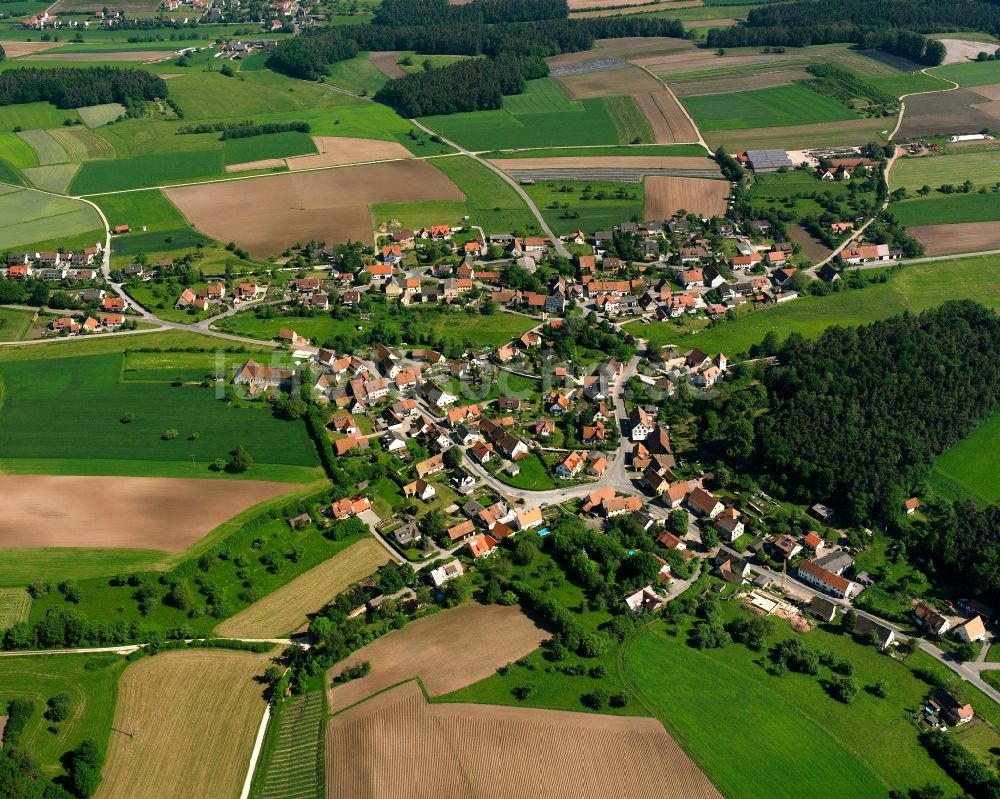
(23, 566)
(330, 205)
(334, 151)
(138, 209)
(81, 144)
(291, 765)
(285, 610)
(632, 124)
(562, 204)
(447, 651)
(31, 116)
(970, 468)
(55, 177)
(191, 718)
(909, 83)
(16, 151)
(765, 78)
(617, 151)
(607, 83)
(273, 145)
(158, 242)
(66, 443)
(559, 755)
(97, 177)
(939, 209)
(868, 746)
(166, 514)
(413, 216)
(666, 117)
(944, 113)
(982, 168)
(957, 238)
(14, 325)
(667, 195)
(92, 684)
(629, 161)
(18, 49)
(15, 604)
(851, 132)
(47, 149)
(28, 216)
(94, 116)
(763, 108)
(490, 201)
(915, 288)
(971, 74)
(356, 74)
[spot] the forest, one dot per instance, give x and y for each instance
(439, 12)
(71, 87)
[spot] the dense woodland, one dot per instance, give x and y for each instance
(71, 87)
(894, 26)
(440, 12)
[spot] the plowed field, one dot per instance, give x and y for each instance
(666, 117)
(667, 195)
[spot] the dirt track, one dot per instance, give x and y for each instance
(448, 651)
(398, 745)
(667, 195)
(127, 512)
(957, 238)
(267, 214)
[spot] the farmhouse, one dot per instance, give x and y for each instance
(482, 545)
(827, 580)
(349, 506)
(258, 376)
(704, 504)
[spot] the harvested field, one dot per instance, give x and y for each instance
(665, 196)
(814, 250)
(576, 5)
(15, 604)
(18, 49)
(81, 144)
(664, 8)
(386, 63)
(94, 116)
(136, 56)
(46, 148)
(334, 151)
(121, 512)
(286, 609)
(329, 205)
(265, 163)
(55, 177)
(961, 237)
(666, 117)
(961, 51)
(447, 651)
(945, 113)
(185, 725)
(397, 744)
(674, 64)
(621, 49)
(582, 85)
(764, 79)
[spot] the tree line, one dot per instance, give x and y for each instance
(72, 88)
(245, 129)
(439, 12)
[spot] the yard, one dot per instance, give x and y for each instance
(14, 324)
(532, 475)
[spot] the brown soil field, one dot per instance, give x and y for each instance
(666, 195)
(386, 63)
(447, 651)
(991, 93)
(814, 250)
(945, 113)
(766, 79)
(610, 83)
(667, 5)
(397, 745)
(334, 151)
(666, 117)
(580, 4)
(626, 48)
(247, 166)
(712, 23)
(286, 609)
(957, 238)
(139, 56)
(267, 214)
(18, 49)
(127, 512)
(607, 162)
(796, 137)
(961, 51)
(185, 725)
(667, 66)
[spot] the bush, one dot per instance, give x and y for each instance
(596, 699)
(843, 689)
(522, 692)
(19, 713)
(59, 707)
(169, 435)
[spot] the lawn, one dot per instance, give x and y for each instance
(970, 469)
(90, 680)
(623, 201)
(711, 700)
(14, 324)
(541, 117)
(971, 74)
(34, 390)
(97, 177)
(938, 209)
(30, 116)
(140, 209)
(983, 169)
(490, 200)
(532, 477)
(273, 145)
(764, 108)
(915, 288)
(28, 216)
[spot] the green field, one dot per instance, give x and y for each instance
(621, 149)
(938, 209)
(490, 200)
(764, 108)
(100, 399)
(29, 116)
(138, 209)
(413, 216)
(632, 125)
(711, 700)
(47, 150)
(22, 566)
(55, 177)
(590, 214)
(915, 288)
(292, 757)
(94, 116)
(273, 145)
(28, 216)
(15, 605)
(356, 74)
(970, 469)
(14, 324)
(158, 242)
(979, 73)
(908, 83)
(98, 177)
(90, 680)
(541, 117)
(982, 168)
(16, 151)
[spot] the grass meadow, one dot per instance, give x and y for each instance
(586, 214)
(22, 566)
(972, 74)
(28, 216)
(357, 75)
(90, 680)
(140, 171)
(140, 209)
(970, 469)
(15, 605)
(764, 108)
(16, 151)
(490, 200)
(982, 168)
(14, 324)
(94, 431)
(31, 116)
(273, 145)
(938, 209)
(915, 288)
